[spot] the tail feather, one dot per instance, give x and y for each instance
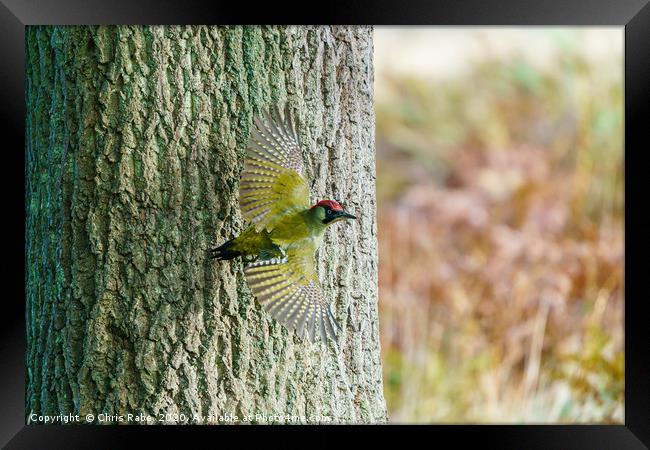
(224, 252)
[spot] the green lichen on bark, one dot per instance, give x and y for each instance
(135, 139)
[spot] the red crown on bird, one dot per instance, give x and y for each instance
(332, 204)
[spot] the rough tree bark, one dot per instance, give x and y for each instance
(134, 144)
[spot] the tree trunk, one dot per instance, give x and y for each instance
(135, 141)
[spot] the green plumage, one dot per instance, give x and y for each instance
(299, 230)
(285, 231)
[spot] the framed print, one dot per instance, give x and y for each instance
(419, 214)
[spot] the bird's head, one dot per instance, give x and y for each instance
(330, 211)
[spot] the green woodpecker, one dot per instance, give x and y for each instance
(280, 244)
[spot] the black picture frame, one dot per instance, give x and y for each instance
(633, 15)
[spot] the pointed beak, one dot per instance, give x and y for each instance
(347, 215)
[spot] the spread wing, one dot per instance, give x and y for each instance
(289, 290)
(272, 183)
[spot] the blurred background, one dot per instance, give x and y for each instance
(500, 189)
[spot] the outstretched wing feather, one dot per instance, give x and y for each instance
(272, 184)
(289, 290)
